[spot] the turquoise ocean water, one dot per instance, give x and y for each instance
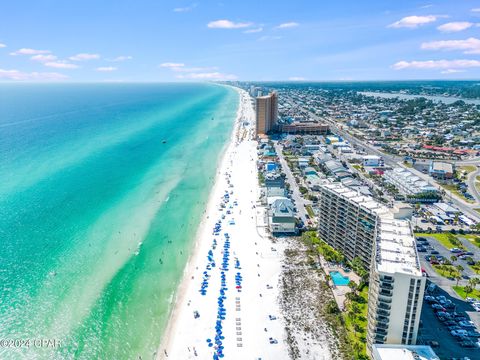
(98, 213)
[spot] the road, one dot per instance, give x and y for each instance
(471, 180)
(391, 160)
(296, 195)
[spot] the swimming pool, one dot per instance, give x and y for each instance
(338, 279)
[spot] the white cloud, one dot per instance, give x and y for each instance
(414, 21)
(468, 46)
(84, 57)
(296, 78)
(455, 26)
(207, 76)
(288, 25)
(194, 69)
(185, 9)
(251, 31)
(476, 10)
(171, 65)
(2, 45)
(106, 68)
(426, 6)
(436, 64)
(44, 58)
(227, 24)
(33, 76)
(26, 51)
(269, 37)
(61, 65)
(451, 71)
(121, 58)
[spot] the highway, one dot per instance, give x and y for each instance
(394, 161)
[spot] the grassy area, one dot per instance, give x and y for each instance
(310, 211)
(408, 164)
(446, 239)
(447, 271)
(477, 210)
(473, 238)
(357, 166)
(355, 318)
(454, 190)
(460, 290)
(467, 168)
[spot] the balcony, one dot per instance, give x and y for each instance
(383, 312)
(385, 293)
(386, 286)
(382, 305)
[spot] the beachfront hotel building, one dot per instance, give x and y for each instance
(266, 108)
(396, 286)
(348, 221)
(360, 227)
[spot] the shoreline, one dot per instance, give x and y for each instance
(189, 269)
(228, 303)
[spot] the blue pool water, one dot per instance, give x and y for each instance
(338, 279)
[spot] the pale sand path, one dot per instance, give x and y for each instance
(185, 334)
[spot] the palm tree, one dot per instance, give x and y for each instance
(473, 282)
(460, 268)
(458, 277)
(453, 258)
(353, 286)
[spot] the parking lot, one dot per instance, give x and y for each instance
(433, 247)
(450, 314)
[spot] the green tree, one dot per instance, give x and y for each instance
(458, 278)
(353, 287)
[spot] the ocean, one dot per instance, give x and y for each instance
(101, 193)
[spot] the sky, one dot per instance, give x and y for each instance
(259, 40)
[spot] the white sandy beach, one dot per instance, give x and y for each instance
(244, 320)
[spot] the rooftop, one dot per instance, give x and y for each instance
(442, 166)
(403, 352)
(396, 249)
(354, 196)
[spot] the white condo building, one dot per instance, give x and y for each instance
(361, 227)
(396, 287)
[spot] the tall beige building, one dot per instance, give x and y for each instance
(266, 113)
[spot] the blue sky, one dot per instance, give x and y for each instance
(153, 40)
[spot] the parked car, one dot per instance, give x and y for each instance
(434, 252)
(467, 324)
(468, 344)
(455, 250)
(460, 332)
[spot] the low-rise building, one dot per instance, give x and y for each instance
(282, 217)
(441, 170)
(403, 352)
(303, 162)
(409, 184)
(371, 160)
